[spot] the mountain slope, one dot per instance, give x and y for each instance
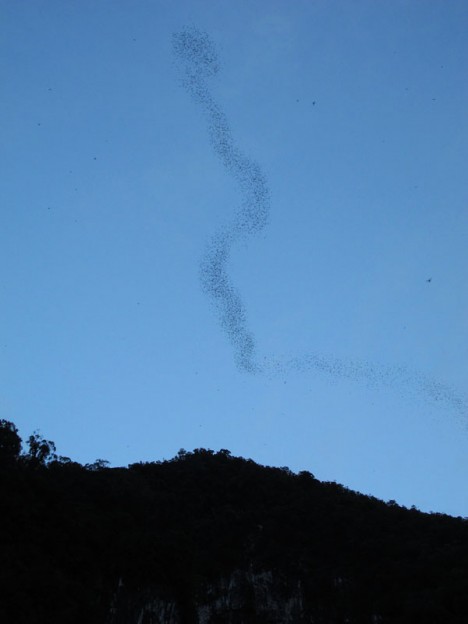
(207, 537)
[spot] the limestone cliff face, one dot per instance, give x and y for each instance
(248, 596)
(243, 597)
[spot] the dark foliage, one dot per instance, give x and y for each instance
(70, 533)
(10, 443)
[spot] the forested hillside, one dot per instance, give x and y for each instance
(72, 535)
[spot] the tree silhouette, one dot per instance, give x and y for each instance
(10, 443)
(41, 451)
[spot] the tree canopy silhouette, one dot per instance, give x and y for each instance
(70, 535)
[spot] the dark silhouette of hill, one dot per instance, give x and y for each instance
(91, 544)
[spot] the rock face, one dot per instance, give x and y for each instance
(243, 597)
(248, 596)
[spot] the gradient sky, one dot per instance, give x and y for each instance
(111, 192)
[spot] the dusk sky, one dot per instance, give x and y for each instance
(240, 225)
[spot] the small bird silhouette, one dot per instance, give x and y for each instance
(429, 280)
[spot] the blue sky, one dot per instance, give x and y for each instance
(112, 192)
